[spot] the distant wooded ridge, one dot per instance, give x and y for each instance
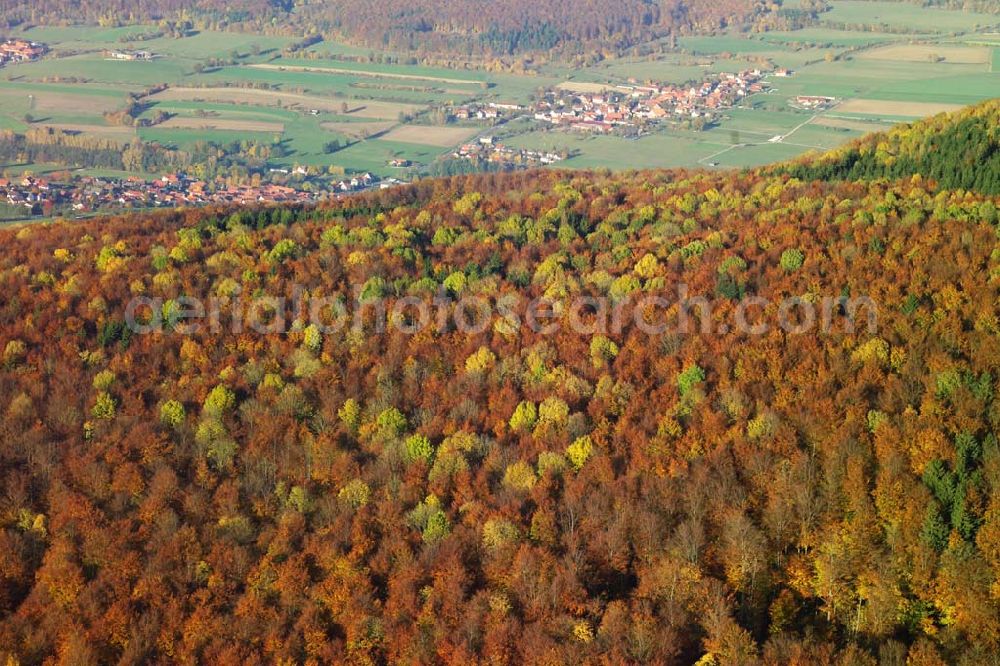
(470, 27)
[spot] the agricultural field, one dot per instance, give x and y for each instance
(440, 137)
(226, 124)
(371, 72)
(374, 154)
(253, 97)
(881, 107)
(755, 154)
(883, 62)
(957, 55)
(359, 129)
(724, 44)
(862, 126)
(829, 38)
(906, 16)
(584, 87)
(619, 153)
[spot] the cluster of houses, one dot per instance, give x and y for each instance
(490, 111)
(129, 55)
(365, 181)
(488, 150)
(813, 102)
(35, 194)
(85, 194)
(634, 104)
(20, 50)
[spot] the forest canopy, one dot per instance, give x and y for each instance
(958, 150)
(830, 496)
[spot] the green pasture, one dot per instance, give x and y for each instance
(80, 36)
(655, 150)
(501, 86)
(184, 139)
(820, 137)
(208, 44)
(931, 82)
(783, 49)
(323, 83)
(456, 76)
(669, 69)
(827, 37)
(756, 155)
(94, 67)
(749, 126)
(714, 45)
(959, 89)
(372, 155)
(225, 111)
(906, 15)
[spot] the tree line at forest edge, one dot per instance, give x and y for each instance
(958, 150)
(378, 497)
(469, 27)
(466, 29)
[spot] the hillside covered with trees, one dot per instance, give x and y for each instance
(958, 150)
(468, 27)
(800, 494)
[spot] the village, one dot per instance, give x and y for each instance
(632, 105)
(40, 196)
(488, 150)
(20, 50)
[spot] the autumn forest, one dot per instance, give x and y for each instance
(375, 494)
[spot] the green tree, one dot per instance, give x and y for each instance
(220, 400)
(524, 417)
(792, 260)
(519, 477)
(602, 350)
(312, 338)
(172, 413)
(418, 447)
(355, 493)
(104, 407)
(691, 376)
(580, 451)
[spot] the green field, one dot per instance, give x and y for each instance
(895, 81)
(906, 15)
(619, 153)
(455, 76)
(328, 84)
(825, 37)
(72, 37)
(19, 169)
(95, 68)
(723, 44)
(753, 155)
(199, 45)
(668, 69)
(819, 137)
(207, 44)
(762, 122)
(374, 154)
(185, 138)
